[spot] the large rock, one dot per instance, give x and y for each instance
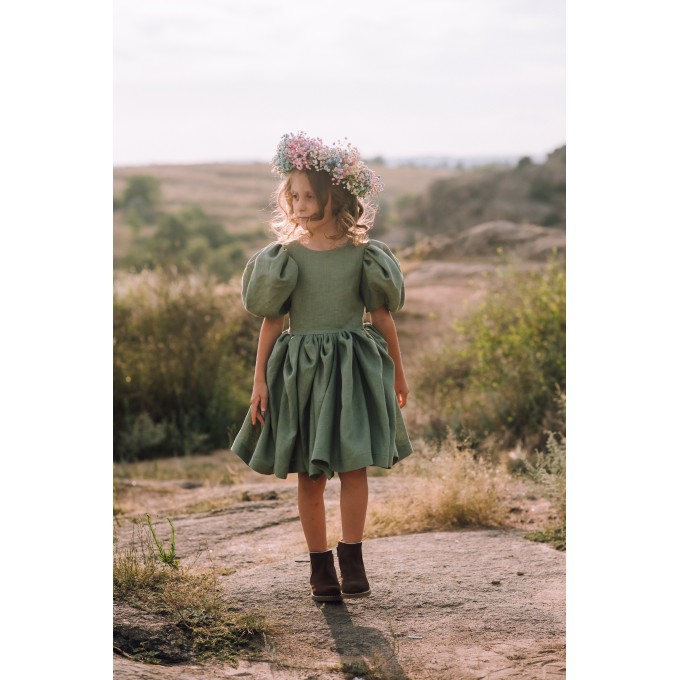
(525, 241)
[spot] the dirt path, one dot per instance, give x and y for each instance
(452, 605)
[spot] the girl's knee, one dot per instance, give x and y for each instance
(308, 485)
(353, 475)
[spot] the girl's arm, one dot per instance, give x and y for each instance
(269, 332)
(384, 324)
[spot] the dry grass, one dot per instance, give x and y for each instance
(232, 190)
(182, 596)
(211, 470)
(238, 195)
(449, 488)
(181, 484)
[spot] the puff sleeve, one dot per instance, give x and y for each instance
(268, 281)
(382, 283)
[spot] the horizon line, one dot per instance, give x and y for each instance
(392, 161)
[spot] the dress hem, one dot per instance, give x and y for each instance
(258, 467)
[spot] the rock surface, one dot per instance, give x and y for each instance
(445, 605)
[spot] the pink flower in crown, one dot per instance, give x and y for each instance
(299, 152)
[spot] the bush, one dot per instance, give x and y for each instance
(548, 468)
(189, 241)
(529, 192)
(498, 375)
(140, 200)
(226, 262)
(183, 356)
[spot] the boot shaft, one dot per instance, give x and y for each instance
(352, 571)
(324, 579)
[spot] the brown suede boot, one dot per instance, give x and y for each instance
(353, 574)
(324, 580)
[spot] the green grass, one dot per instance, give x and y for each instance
(557, 537)
(169, 556)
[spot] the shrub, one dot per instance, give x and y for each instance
(140, 200)
(182, 359)
(549, 469)
(226, 262)
(497, 375)
(189, 241)
(526, 193)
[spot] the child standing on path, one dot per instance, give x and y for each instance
(328, 390)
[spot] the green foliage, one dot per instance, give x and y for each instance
(140, 200)
(183, 355)
(529, 192)
(189, 241)
(169, 556)
(135, 568)
(549, 469)
(171, 236)
(141, 434)
(497, 373)
(543, 190)
(226, 261)
(557, 537)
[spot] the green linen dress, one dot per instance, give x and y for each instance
(332, 406)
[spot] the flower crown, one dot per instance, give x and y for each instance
(299, 152)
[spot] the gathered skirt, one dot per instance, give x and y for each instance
(332, 407)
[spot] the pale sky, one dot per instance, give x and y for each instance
(222, 80)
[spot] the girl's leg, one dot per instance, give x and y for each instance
(312, 511)
(323, 579)
(353, 504)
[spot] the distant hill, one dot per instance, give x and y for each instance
(533, 193)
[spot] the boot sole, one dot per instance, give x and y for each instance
(327, 598)
(355, 595)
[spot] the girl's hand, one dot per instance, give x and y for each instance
(401, 390)
(258, 402)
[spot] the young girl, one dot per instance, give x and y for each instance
(328, 390)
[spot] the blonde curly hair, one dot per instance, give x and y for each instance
(354, 215)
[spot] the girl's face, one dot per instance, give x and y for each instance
(306, 207)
